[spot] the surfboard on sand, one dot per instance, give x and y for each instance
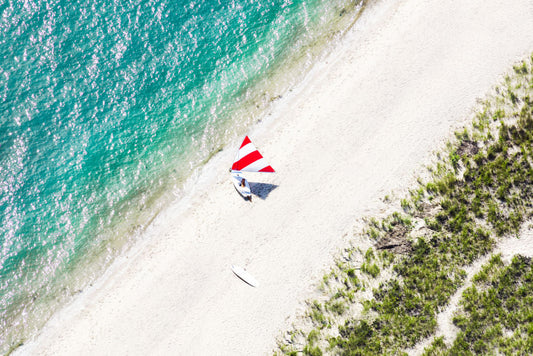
(244, 275)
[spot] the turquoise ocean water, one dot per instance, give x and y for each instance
(106, 107)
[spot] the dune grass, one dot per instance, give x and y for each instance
(496, 314)
(481, 190)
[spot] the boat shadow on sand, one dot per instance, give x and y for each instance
(261, 190)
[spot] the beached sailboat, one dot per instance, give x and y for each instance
(248, 159)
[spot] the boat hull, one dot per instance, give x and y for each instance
(245, 190)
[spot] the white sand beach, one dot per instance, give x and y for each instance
(361, 126)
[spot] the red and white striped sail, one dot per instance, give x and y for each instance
(249, 159)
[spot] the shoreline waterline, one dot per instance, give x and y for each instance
(130, 219)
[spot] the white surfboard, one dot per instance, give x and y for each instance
(244, 275)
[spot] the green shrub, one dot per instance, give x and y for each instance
(371, 269)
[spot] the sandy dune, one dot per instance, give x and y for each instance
(361, 125)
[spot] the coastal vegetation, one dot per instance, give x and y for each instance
(496, 314)
(384, 298)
